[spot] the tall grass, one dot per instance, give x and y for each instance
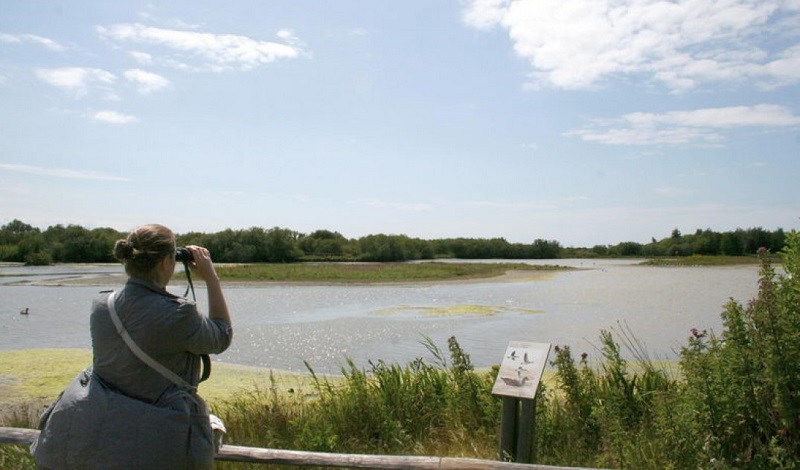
(419, 408)
(734, 403)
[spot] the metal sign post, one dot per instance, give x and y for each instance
(517, 382)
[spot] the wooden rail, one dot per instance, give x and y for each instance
(21, 436)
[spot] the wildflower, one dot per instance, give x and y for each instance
(762, 251)
(698, 334)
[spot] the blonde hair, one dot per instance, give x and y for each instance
(144, 247)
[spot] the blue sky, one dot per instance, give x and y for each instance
(583, 121)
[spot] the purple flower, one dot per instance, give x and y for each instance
(762, 250)
(697, 334)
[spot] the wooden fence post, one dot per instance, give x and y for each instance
(508, 429)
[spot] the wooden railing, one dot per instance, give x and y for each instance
(229, 453)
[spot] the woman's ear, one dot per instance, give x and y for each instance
(165, 270)
(165, 261)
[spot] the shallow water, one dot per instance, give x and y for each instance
(280, 326)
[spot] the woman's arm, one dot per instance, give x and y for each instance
(204, 267)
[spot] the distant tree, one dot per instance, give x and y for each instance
(22, 242)
(707, 242)
(545, 249)
(627, 249)
(323, 243)
(253, 245)
(732, 243)
(756, 238)
(281, 245)
(14, 231)
(32, 249)
(17, 239)
(76, 244)
(777, 241)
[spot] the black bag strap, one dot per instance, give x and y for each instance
(206, 367)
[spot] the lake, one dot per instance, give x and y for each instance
(280, 326)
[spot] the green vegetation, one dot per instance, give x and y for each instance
(414, 409)
(736, 406)
(370, 272)
(733, 403)
(708, 243)
(20, 242)
(704, 260)
(32, 378)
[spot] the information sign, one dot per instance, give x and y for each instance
(521, 369)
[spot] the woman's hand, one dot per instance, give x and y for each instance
(202, 265)
(201, 262)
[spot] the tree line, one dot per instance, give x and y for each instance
(21, 242)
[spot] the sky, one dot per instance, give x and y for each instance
(587, 122)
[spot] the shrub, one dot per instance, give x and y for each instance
(745, 383)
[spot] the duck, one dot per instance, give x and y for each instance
(515, 382)
(24, 311)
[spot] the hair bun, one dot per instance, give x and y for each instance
(123, 250)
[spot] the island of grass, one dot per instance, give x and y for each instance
(375, 272)
(710, 260)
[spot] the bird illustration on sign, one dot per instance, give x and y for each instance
(521, 369)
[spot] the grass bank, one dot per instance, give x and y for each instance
(373, 272)
(32, 378)
(703, 260)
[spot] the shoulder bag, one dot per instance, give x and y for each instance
(93, 426)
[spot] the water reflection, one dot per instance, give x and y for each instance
(281, 326)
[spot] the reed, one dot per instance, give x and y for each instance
(419, 409)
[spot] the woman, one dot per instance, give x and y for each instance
(170, 330)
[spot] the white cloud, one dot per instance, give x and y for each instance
(217, 51)
(77, 80)
(60, 172)
(784, 70)
(32, 38)
(647, 135)
(579, 43)
(485, 14)
(142, 57)
(114, 117)
(767, 115)
(146, 82)
(704, 126)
